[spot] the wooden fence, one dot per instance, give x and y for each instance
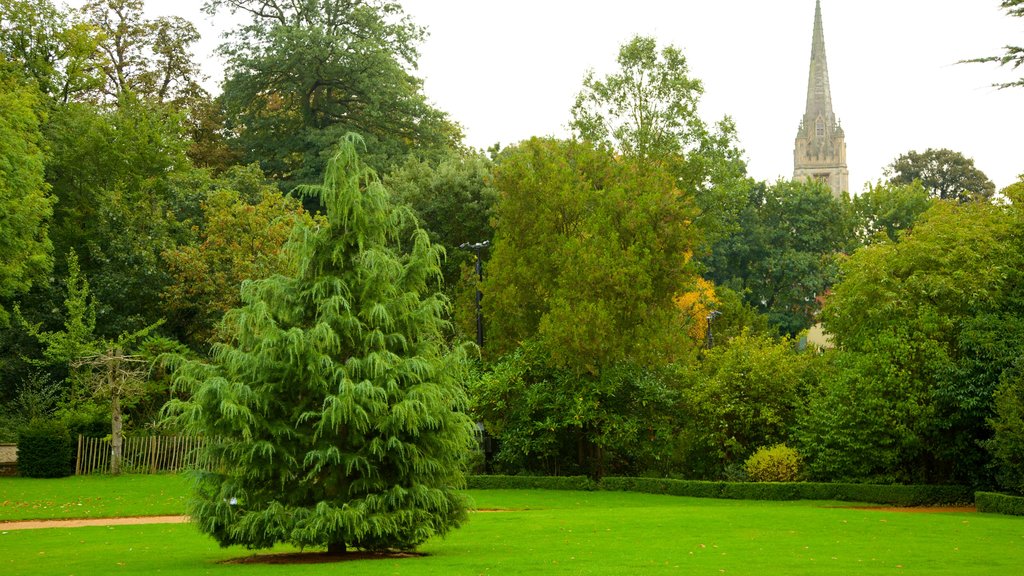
(139, 454)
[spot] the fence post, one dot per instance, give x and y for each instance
(78, 457)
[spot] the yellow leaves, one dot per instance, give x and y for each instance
(697, 304)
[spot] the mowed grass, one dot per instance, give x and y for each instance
(554, 532)
(92, 496)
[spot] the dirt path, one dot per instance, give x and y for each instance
(78, 523)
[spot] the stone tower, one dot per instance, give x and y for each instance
(820, 150)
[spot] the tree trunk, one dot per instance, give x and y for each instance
(336, 548)
(115, 434)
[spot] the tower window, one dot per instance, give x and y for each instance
(819, 128)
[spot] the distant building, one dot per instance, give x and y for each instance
(820, 151)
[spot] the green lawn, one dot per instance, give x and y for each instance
(92, 496)
(574, 533)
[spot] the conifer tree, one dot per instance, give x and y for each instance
(334, 412)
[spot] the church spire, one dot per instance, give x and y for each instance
(820, 151)
(819, 94)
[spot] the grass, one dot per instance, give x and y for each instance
(576, 533)
(92, 496)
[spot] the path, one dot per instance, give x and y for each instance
(80, 522)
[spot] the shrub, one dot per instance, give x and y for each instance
(999, 503)
(499, 482)
(45, 450)
(779, 463)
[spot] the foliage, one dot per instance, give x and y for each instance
(742, 395)
(888, 209)
(647, 111)
(946, 174)
(453, 200)
(520, 482)
(860, 421)
(1007, 442)
(54, 49)
(939, 315)
(891, 494)
(45, 450)
(1012, 55)
(589, 254)
(780, 255)
(239, 240)
(25, 205)
(301, 74)
(35, 397)
(148, 58)
(112, 173)
(99, 367)
(778, 463)
(556, 421)
(993, 503)
(334, 407)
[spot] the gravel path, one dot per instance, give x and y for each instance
(78, 523)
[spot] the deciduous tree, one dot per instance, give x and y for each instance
(589, 253)
(781, 253)
(301, 74)
(946, 174)
(25, 203)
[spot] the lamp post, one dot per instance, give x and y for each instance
(710, 340)
(476, 248)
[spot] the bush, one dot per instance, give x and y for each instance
(999, 503)
(498, 482)
(779, 463)
(45, 450)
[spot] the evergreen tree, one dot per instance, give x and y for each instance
(333, 412)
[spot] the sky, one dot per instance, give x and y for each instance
(508, 70)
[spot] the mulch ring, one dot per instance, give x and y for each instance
(320, 557)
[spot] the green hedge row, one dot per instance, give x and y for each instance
(45, 450)
(999, 503)
(497, 482)
(893, 495)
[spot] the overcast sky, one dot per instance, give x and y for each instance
(507, 70)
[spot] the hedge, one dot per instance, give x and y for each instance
(45, 450)
(893, 495)
(999, 503)
(498, 482)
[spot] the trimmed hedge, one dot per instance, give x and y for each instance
(45, 450)
(892, 495)
(498, 482)
(994, 503)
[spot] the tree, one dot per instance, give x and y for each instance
(781, 254)
(100, 366)
(238, 239)
(1012, 55)
(589, 253)
(301, 74)
(112, 172)
(743, 395)
(148, 58)
(941, 309)
(25, 204)
(946, 174)
(887, 209)
(56, 50)
(334, 410)
(647, 111)
(452, 198)
(552, 421)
